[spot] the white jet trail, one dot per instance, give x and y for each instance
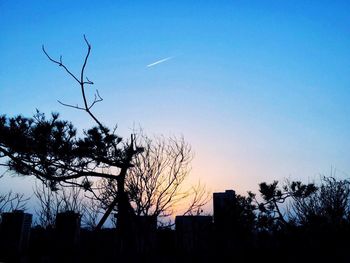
(158, 62)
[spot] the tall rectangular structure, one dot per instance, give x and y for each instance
(67, 236)
(68, 228)
(14, 234)
(223, 209)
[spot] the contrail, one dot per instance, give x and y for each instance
(158, 62)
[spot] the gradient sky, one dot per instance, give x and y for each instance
(260, 89)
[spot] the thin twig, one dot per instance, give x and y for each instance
(71, 106)
(60, 63)
(96, 100)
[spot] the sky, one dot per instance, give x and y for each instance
(260, 89)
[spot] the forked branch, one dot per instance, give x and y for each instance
(82, 82)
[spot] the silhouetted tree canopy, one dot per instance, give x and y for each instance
(156, 184)
(303, 205)
(50, 149)
(328, 206)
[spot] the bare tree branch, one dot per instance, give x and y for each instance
(60, 63)
(71, 106)
(81, 83)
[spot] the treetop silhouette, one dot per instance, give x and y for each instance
(50, 150)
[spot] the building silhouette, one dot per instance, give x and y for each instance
(223, 206)
(67, 236)
(14, 235)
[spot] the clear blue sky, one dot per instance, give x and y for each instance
(259, 88)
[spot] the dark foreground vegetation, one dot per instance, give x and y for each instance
(294, 223)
